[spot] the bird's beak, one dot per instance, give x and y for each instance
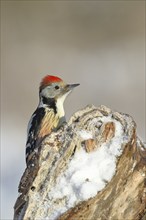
(70, 87)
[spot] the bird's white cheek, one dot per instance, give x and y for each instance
(46, 93)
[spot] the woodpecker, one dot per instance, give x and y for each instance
(49, 115)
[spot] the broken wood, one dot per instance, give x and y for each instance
(124, 197)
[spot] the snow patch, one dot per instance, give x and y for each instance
(85, 134)
(87, 173)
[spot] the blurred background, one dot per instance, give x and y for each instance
(99, 44)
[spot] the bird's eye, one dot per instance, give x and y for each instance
(56, 87)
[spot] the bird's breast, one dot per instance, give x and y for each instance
(49, 122)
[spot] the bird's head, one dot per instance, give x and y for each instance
(55, 88)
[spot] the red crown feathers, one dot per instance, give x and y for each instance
(50, 79)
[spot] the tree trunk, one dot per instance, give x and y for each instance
(123, 197)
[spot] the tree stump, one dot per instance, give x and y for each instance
(123, 188)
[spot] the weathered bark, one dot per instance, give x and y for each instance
(124, 197)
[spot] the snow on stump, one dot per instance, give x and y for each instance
(92, 168)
